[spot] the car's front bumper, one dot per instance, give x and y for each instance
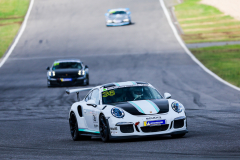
(118, 24)
(152, 135)
(59, 82)
(171, 126)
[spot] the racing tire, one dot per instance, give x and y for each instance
(104, 128)
(74, 127)
(88, 80)
(178, 135)
(49, 84)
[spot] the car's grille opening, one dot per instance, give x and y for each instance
(155, 128)
(127, 128)
(178, 123)
(72, 75)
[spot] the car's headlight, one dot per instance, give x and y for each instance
(109, 21)
(177, 107)
(51, 73)
(81, 72)
(117, 112)
(126, 20)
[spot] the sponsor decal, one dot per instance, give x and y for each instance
(113, 128)
(149, 118)
(94, 118)
(66, 79)
(95, 125)
(153, 123)
(56, 64)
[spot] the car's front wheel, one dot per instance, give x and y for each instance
(104, 128)
(74, 127)
(49, 84)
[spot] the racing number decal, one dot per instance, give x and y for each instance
(108, 93)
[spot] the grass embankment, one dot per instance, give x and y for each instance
(203, 23)
(222, 60)
(12, 14)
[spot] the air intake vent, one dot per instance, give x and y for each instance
(179, 123)
(155, 128)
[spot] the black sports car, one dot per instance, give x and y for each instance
(68, 72)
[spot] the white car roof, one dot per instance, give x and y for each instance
(119, 9)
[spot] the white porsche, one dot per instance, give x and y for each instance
(126, 110)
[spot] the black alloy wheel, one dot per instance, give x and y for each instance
(178, 135)
(104, 129)
(74, 127)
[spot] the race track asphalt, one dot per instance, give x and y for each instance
(34, 118)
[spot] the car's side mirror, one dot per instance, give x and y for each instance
(48, 68)
(86, 66)
(129, 12)
(167, 95)
(91, 103)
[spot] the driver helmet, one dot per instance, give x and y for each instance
(137, 92)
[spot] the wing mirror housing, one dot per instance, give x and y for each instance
(91, 103)
(48, 68)
(86, 66)
(167, 95)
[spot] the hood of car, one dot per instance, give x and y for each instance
(144, 107)
(118, 17)
(66, 73)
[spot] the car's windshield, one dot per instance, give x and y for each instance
(129, 94)
(118, 12)
(66, 65)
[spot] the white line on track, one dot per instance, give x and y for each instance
(19, 34)
(188, 52)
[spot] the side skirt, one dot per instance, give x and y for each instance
(87, 131)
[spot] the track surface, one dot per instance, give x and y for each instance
(33, 118)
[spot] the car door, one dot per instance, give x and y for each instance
(95, 111)
(87, 110)
(91, 112)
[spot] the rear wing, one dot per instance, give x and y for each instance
(69, 91)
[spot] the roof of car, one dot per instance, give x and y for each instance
(127, 83)
(118, 9)
(68, 60)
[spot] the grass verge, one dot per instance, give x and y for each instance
(222, 60)
(198, 21)
(12, 14)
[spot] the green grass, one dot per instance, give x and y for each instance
(12, 14)
(194, 9)
(222, 60)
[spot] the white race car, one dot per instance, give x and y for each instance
(126, 110)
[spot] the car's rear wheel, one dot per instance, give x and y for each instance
(74, 127)
(178, 135)
(104, 129)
